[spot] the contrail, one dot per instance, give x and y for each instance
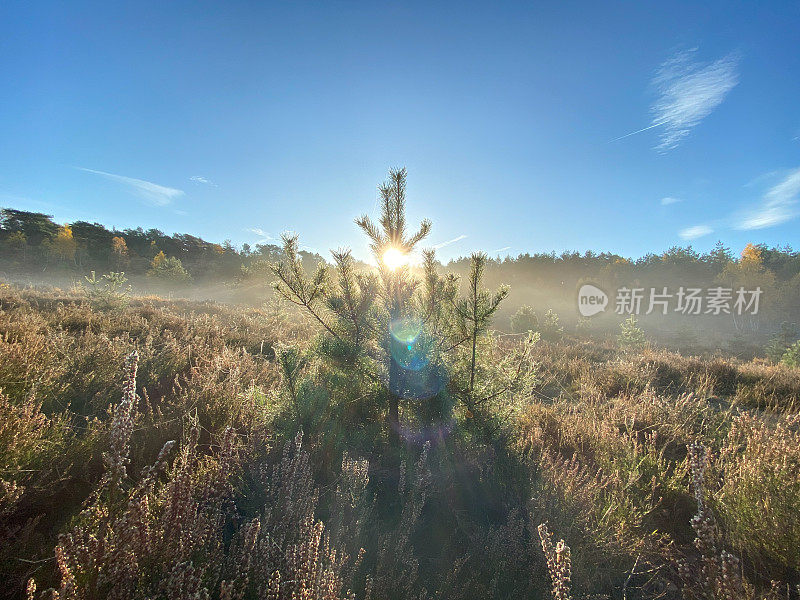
(622, 137)
(448, 242)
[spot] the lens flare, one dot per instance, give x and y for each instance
(414, 377)
(409, 346)
(394, 258)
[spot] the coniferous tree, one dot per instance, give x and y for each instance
(631, 337)
(524, 320)
(400, 335)
(397, 285)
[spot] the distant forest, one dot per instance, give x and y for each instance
(35, 248)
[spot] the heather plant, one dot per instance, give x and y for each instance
(32, 466)
(759, 500)
(396, 571)
(559, 564)
(575, 497)
(605, 465)
(716, 573)
(770, 387)
(162, 536)
(60, 361)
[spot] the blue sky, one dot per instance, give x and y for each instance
(243, 120)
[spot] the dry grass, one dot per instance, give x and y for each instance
(185, 477)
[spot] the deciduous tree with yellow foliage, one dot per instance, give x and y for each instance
(62, 246)
(119, 252)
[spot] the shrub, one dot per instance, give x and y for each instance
(168, 269)
(150, 537)
(774, 387)
(584, 326)
(716, 573)
(108, 292)
(552, 330)
(760, 495)
(791, 358)
(630, 336)
(782, 342)
(524, 320)
(559, 564)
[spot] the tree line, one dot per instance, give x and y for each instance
(32, 242)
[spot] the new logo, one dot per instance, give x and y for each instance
(591, 300)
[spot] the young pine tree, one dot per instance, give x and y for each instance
(398, 335)
(391, 247)
(631, 337)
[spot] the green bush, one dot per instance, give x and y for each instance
(779, 344)
(551, 330)
(791, 358)
(168, 269)
(524, 320)
(109, 291)
(630, 336)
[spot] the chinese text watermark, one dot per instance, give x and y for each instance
(717, 300)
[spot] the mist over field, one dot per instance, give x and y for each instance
(186, 266)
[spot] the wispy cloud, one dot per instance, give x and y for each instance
(694, 232)
(688, 91)
(778, 205)
(159, 195)
(448, 242)
(499, 250)
(203, 180)
(260, 233)
(667, 200)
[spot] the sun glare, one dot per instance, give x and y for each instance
(394, 258)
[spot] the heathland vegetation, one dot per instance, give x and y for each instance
(35, 250)
(373, 433)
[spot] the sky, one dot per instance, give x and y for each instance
(525, 127)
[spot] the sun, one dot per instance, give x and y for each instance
(394, 258)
